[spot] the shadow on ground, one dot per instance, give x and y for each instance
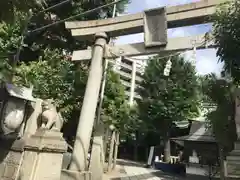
(129, 163)
(163, 176)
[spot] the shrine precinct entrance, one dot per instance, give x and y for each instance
(154, 24)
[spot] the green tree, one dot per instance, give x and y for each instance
(54, 37)
(9, 42)
(42, 62)
(8, 8)
(58, 36)
(55, 78)
(226, 31)
(168, 99)
(115, 108)
(220, 92)
(59, 79)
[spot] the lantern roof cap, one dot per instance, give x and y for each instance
(20, 92)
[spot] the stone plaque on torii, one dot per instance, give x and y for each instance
(154, 24)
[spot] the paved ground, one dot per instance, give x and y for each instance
(127, 170)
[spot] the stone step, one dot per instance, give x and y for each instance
(235, 152)
(233, 169)
(233, 162)
(237, 145)
(233, 157)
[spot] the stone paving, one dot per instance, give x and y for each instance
(127, 170)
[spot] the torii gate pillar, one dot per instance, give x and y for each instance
(86, 120)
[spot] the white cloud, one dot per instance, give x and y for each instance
(130, 39)
(206, 59)
(158, 3)
(179, 32)
(207, 62)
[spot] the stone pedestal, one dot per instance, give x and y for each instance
(233, 159)
(11, 155)
(233, 162)
(75, 175)
(237, 112)
(43, 156)
(97, 160)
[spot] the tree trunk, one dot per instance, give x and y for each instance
(222, 167)
(135, 153)
(110, 156)
(135, 150)
(147, 151)
(167, 149)
(106, 141)
(116, 150)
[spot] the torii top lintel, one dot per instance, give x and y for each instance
(176, 16)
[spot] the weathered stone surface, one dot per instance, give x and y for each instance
(10, 165)
(66, 160)
(74, 175)
(10, 172)
(237, 145)
(49, 166)
(237, 111)
(43, 156)
(41, 166)
(233, 169)
(155, 27)
(35, 109)
(12, 144)
(29, 163)
(11, 153)
(178, 16)
(97, 158)
(47, 140)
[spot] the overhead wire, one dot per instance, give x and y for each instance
(28, 20)
(75, 16)
(54, 6)
(30, 16)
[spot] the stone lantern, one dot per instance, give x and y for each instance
(13, 103)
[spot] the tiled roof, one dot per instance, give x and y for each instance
(198, 132)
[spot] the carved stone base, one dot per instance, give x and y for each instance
(233, 164)
(73, 175)
(96, 165)
(11, 154)
(43, 156)
(233, 169)
(237, 145)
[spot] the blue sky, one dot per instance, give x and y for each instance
(207, 61)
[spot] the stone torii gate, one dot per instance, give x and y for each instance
(154, 23)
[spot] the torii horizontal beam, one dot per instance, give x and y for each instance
(177, 16)
(174, 45)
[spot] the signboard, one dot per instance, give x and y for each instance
(150, 157)
(155, 27)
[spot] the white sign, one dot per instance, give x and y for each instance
(150, 157)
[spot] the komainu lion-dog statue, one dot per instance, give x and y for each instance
(50, 119)
(44, 115)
